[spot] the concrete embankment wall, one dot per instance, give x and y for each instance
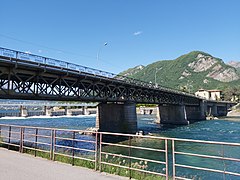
(147, 110)
(9, 114)
(49, 112)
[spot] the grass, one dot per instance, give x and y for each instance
(141, 165)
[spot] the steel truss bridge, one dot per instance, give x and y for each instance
(32, 77)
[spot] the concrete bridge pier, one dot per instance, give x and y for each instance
(67, 111)
(195, 113)
(116, 117)
(23, 112)
(214, 110)
(158, 115)
(172, 114)
(84, 110)
(180, 114)
(46, 111)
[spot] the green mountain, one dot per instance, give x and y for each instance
(190, 72)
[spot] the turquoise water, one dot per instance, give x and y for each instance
(214, 130)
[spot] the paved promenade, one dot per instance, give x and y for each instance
(16, 166)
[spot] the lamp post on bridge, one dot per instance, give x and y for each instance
(157, 69)
(105, 44)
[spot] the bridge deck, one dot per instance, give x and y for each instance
(14, 165)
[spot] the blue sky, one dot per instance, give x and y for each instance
(137, 31)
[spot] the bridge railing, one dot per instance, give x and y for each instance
(129, 155)
(27, 57)
(34, 104)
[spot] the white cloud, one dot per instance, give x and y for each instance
(40, 51)
(137, 33)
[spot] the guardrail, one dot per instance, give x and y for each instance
(40, 60)
(33, 103)
(124, 154)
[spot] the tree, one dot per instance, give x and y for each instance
(232, 93)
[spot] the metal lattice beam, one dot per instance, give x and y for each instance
(23, 81)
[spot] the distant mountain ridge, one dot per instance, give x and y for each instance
(193, 71)
(235, 64)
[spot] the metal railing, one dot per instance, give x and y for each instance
(220, 147)
(124, 154)
(134, 163)
(45, 103)
(71, 67)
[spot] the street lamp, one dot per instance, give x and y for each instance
(157, 69)
(105, 44)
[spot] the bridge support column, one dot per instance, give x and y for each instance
(67, 111)
(23, 112)
(203, 109)
(46, 112)
(173, 114)
(214, 110)
(120, 118)
(158, 115)
(84, 110)
(195, 113)
(222, 110)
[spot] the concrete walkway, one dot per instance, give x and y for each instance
(14, 165)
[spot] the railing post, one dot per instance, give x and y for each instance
(23, 130)
(173, 159)
(36, 139)
(100, 153)
(0, 135)
(166, 157)
(73, 143)
(130, 159)
(224, 164)
(52, 144)
(96, 150)
(20, 142)
(9, 136)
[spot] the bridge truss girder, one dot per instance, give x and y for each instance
(21, 81)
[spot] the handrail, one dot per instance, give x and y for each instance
(129, 135)
(51, 145)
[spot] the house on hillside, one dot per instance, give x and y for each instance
(210, 94)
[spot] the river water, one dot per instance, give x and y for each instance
(227, 130)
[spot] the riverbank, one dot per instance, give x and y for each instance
(234, 113)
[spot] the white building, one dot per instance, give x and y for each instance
(209, 94)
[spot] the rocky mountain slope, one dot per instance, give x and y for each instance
(235, 64)
(192, 71)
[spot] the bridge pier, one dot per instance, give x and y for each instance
(46, 111)
(217, 110)
(67, 111)
(84, 110)
(222, 110)
(172, 114)
(118, 118)
(180, 114)
(23, 112)
(195, 113)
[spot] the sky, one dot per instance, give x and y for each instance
(137, 32)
